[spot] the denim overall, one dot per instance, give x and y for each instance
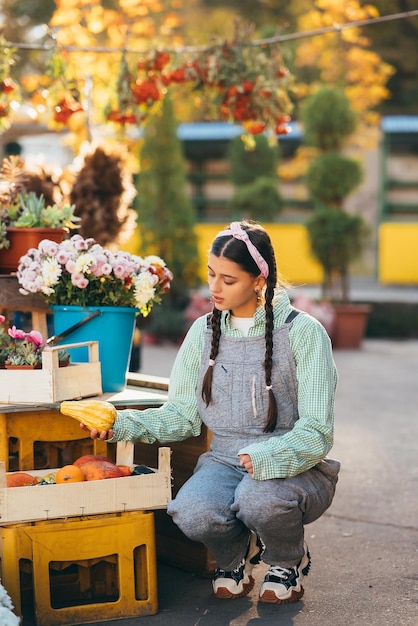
(221, 501)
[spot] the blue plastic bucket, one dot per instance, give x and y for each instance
(113, 329)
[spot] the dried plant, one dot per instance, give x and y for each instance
(102, 192)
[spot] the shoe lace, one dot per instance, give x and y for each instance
(280, 572)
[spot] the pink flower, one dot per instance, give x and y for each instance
(101, 266)
(79, 280)
(70, 265)
(62, 256)
(16, 333)
(106, 269)
(120, 271)
(81, 244)
(35, 337)
(48, 247)
(2, 319)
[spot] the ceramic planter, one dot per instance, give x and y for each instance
(349, 325)
(21, 239)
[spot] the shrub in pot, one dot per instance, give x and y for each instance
(337, 238)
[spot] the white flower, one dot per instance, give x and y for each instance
(50, 272)
(83, 263)
(144, 289)
(153, 259)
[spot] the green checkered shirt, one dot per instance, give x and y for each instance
(280, 456)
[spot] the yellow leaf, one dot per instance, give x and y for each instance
(66, 16)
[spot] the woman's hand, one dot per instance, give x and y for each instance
(245, 461)
(103, 435)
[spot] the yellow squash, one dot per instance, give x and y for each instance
(96, 414)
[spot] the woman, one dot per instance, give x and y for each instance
(261, 376)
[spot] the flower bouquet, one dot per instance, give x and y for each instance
(95, 295)
(80, 272)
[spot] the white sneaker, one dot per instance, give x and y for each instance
(240, 581)
(282, 585)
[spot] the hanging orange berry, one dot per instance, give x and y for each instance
(255, 128)
(7, 86)
(145, 91)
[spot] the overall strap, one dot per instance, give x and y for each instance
(291, 316)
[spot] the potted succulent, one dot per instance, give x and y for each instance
(337, 238)
(21, 349)
(25, 217)
(24, 350)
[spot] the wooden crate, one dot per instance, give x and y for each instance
(129, 493)
(53, 383)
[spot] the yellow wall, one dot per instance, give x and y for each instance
(290, 242)
(398, 253)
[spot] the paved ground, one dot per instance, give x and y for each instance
(365, 548)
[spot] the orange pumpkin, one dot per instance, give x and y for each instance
(69, 474)
(20, 479)
(89, 457)
(100, 469)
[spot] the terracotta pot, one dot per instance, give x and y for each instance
(349, 325)
(22, 367)
(21, 239)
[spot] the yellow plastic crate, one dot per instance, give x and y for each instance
(81, 570)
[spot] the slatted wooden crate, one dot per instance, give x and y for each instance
(111, 495)
(53, 383)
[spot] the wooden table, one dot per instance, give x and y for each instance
(30, 423)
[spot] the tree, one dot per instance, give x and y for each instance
(248, 164)
(397, 43)
(254, 175)
(327, 120)
(336, 237)
(22, 22)
(166, 217)
(343, 58)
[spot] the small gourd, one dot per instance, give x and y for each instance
(95, 414)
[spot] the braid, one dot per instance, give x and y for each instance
(215, 321)
(268, 360)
